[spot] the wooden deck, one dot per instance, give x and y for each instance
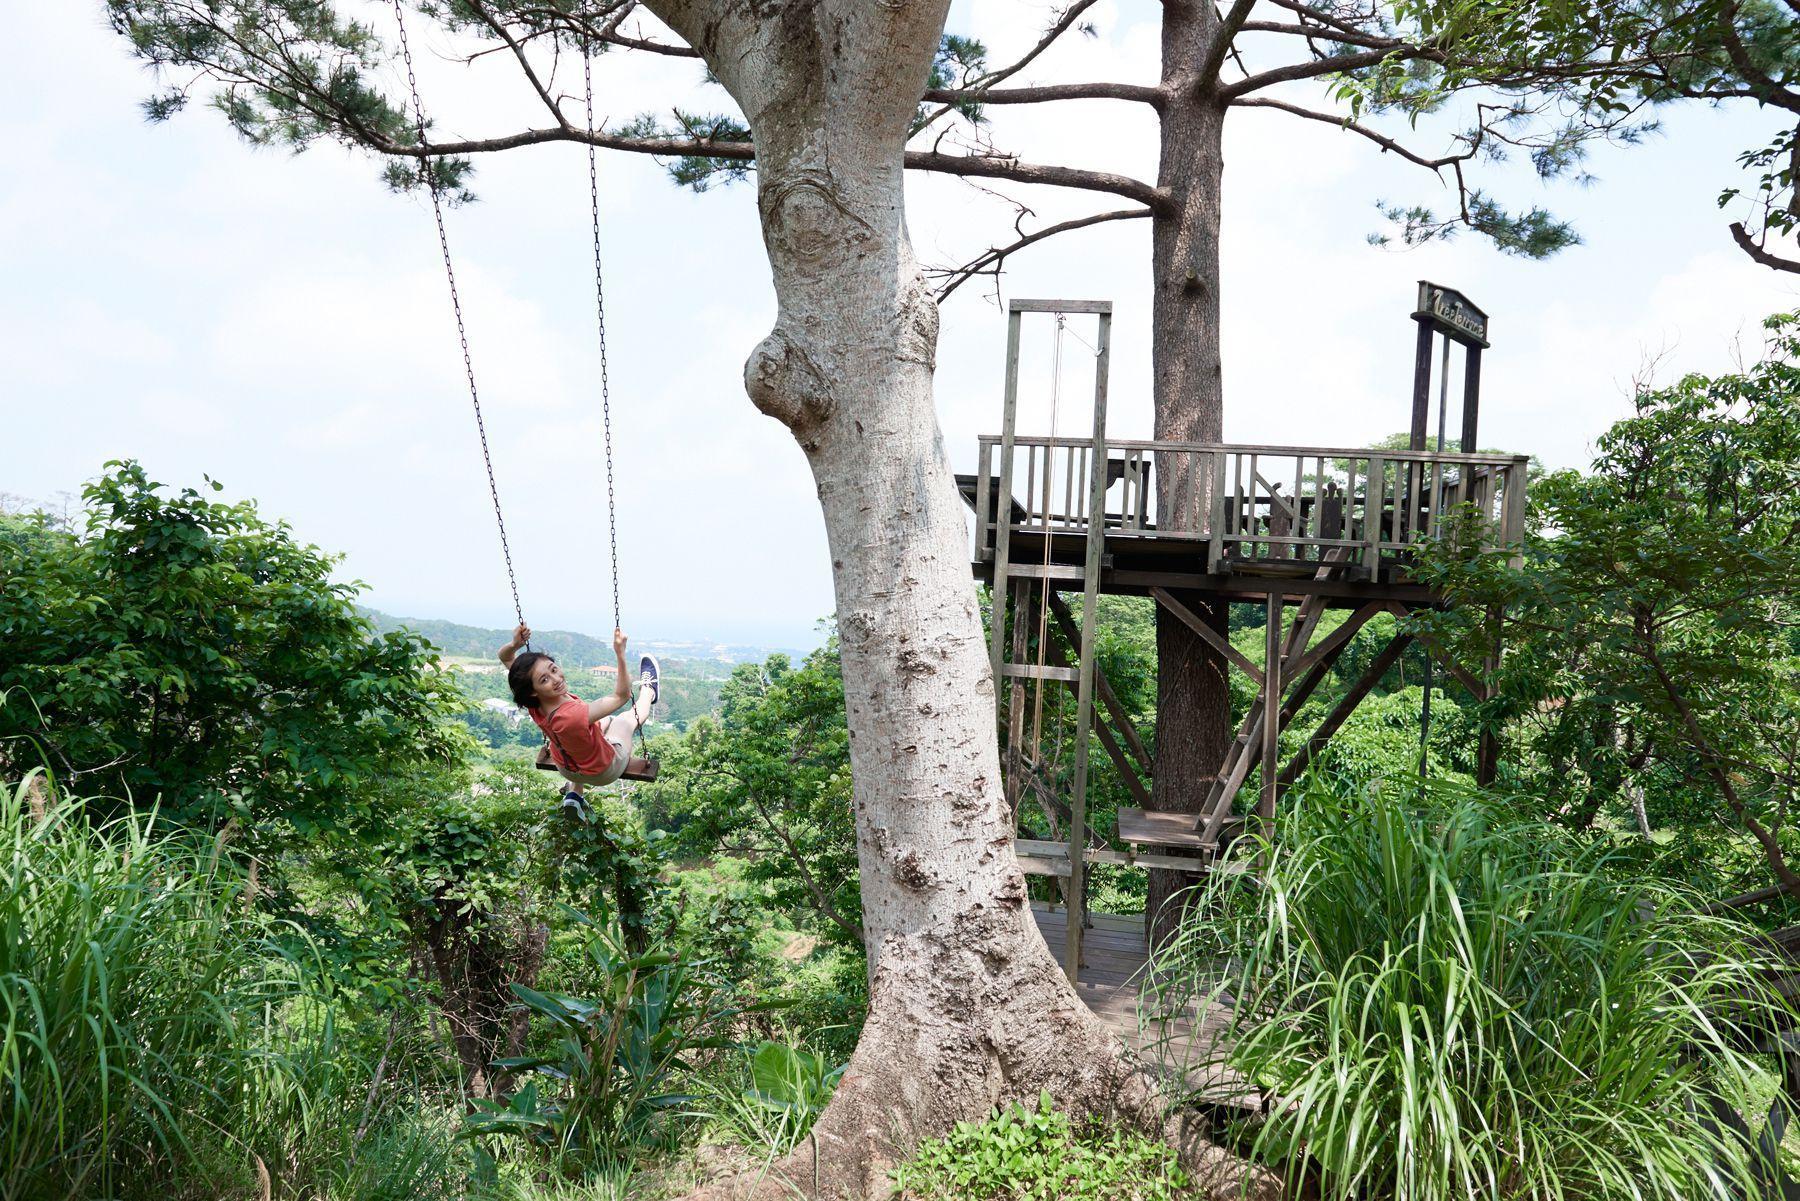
(1113, 965)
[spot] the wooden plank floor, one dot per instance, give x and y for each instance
(1114, 956)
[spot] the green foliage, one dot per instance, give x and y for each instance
(769, 781)
(187, 653)
(619, 1056)
(1034, 1153)
(1650, 654)
(153, 1030)
(780, 1092)
(1443, 1001)
(286, 73)
(696, 171)
(960, 63)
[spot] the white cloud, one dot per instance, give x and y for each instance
(281, 323)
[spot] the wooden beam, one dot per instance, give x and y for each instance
(1333, 643)
(1301, 692)
(1379, 668)
(1463, 675)
(1060, 306)
(1209, 635)
(1271, 716)
(1065, 621)
(1126, 772)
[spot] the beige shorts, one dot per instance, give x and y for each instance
(620, 761)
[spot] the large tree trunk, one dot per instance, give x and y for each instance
(967, 1007)
(1193, 713)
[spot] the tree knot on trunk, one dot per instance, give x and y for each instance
(919, 662)
(809, 228)
(911, 873)
(787, 384)
(918, 324)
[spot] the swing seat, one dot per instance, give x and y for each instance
(637, 768)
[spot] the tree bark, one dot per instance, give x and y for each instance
(967, 1007)
(1193, 715)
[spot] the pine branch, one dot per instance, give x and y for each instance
(989, 262)
(1331, 64)
(1056, 91)
(1380, 139)
(1222, 38)
(1060, 26)
(1003, 167)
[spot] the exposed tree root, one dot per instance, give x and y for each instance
(981, 1018)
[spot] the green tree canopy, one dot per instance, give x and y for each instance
(1653, 630)
(184, 652)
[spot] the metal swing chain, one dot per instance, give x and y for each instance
(462, 337)
(612, 524)
(612, 509)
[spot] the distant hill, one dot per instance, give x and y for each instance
(693, 672)
(571, 648)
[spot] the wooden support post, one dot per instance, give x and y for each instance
(1084, 696)
(1383, 662)
(1023, 622)
(1009, 420)
(1421, 413)
(1271, 715)
(1374, 502)
(1487, 750)
(1471, 398)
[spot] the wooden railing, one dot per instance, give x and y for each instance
(1258, 503)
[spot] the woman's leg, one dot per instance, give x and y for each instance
(622, 726)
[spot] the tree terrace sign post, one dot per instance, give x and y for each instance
(1447, 312)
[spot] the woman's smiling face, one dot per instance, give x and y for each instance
(547, 681)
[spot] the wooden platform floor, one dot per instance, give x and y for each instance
(1114, 959)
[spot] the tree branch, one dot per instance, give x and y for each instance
(1347, 36)
(1749, 246)
(1220, 45)
(1330, 64)
(1057, 28)
(824, 903)
(1001, 167)
(1056, 91)
(518, 51)
(990, 261)
(1380, 139)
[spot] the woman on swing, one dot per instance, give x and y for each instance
(589, 741)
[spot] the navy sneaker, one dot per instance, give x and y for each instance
(575, 805)
(651, 675)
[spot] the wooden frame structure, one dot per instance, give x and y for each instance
(1063, 514)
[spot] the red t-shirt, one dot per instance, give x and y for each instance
(575, 742)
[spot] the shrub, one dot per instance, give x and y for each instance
(1034, 1153)
(150, 1028)
(774, 1098)
(619, 1059)
(1441, 1002)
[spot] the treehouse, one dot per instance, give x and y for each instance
(1061, 520)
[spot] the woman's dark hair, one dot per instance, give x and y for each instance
(518, 678)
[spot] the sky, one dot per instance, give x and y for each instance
(279, 322)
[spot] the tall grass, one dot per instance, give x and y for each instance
(151, 1032)
(1442, 1003)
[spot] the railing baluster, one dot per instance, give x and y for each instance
(1374, 502)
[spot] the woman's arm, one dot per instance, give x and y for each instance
(621, 693)
(520, 637)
